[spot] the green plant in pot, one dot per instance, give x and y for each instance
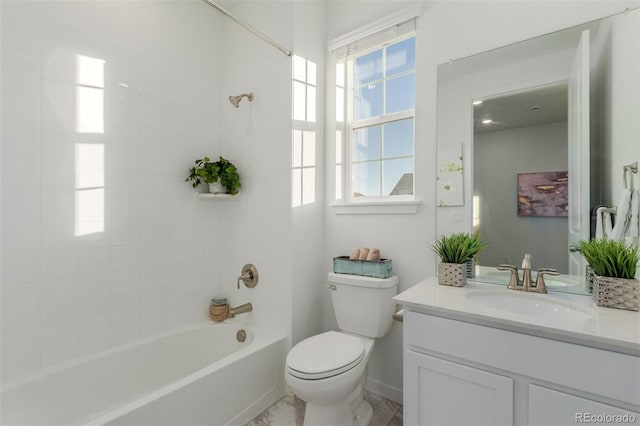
(221, 176)
(455, 251)
(614, 264)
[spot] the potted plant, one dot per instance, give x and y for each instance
(221, 176)
(614, 264)
(454, 251)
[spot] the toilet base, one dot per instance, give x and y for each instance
(352, 411)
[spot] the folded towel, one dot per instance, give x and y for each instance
(603, 223)
(622, 217)
(364, 252)
(355, 254)
(374, 254)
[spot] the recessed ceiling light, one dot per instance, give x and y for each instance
(487, 121)
(477, 102)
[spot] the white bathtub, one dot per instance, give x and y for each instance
(197, 376)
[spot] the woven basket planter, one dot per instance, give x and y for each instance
(453, 274)
(619, 293)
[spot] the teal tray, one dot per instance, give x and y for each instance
(382, 268)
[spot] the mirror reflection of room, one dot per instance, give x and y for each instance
(546, 126)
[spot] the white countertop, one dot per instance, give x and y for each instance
(609, 329)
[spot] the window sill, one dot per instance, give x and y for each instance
(376, 207)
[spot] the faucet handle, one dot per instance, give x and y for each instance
(541, 287)
(513, 281)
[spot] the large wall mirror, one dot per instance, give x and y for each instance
(541, 131)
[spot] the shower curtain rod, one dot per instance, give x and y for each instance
(248, 27)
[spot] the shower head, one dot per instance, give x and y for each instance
(235, 100)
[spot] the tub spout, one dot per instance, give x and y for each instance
(242, 309)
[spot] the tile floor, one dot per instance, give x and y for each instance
(289, 411)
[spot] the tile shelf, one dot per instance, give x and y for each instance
(216, 196)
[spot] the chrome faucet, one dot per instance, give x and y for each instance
(526, 283)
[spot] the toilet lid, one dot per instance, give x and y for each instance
(325, 355)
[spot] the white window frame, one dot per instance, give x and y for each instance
(350, 126)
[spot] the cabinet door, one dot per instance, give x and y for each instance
(439, 392)
(551, 407)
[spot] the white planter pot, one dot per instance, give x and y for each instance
(217, 188)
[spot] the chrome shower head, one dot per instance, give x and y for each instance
(235, 100)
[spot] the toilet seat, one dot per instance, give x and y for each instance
(324, 355)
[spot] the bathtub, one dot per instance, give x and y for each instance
(197, 376)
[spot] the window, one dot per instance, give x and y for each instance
(378, 121)
(303, 170)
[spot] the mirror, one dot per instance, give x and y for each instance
(538, 148)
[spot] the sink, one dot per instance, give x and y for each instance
(530, 305)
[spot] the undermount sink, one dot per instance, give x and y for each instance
(530, 305)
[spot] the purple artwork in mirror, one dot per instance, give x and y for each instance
(543, 194)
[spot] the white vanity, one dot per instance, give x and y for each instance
(485, 355)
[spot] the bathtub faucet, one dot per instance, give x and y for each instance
(242, 309)
(220, 310)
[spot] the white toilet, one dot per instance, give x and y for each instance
(328, 370)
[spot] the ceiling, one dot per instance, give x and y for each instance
(531, 108)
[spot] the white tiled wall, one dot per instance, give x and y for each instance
(154, 266)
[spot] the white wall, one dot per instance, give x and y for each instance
(498, 157)
(446, 30)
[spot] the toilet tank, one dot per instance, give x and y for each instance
(363, 305)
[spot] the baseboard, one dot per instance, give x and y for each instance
(390, 392)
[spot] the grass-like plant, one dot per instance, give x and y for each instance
(610, 258)
(457, 248)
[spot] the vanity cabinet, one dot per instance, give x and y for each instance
(461, 373)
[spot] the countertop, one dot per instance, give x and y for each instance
(610, 329)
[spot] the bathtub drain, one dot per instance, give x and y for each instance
(241, 335)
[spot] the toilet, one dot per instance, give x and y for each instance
(328, 370)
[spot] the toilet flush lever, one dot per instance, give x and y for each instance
(332, 286)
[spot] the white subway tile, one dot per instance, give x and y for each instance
(20, 141)
(19, 267)
(93, 314)
(14, 176)
(59, 264)
(125, 233)
(58, 321)
(123, 307)
(94, 287)
(59, 292)
(124, 257)
(20, 330)
(94, 260)
(20, 236)
(20, 206)
(19, 361)
(124, 282)
(19, 299)
(93, 340)
(59, 349)
(123, 331)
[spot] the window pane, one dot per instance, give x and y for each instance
(296, 159)
(89, 110)
(338, 182)
(308, 186)
(340, 74)
(90, 71)
(339, 104)
(299, 68)
(401, 93)
(309, 149)
(398, 176)
(366, 179)
(401, 56)
(367, 143)
(398, 138)
(311, 73)
(299, 101)
(311, 104)
(338, 146)
(368, 68)
(296, 187)
(367, 101)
